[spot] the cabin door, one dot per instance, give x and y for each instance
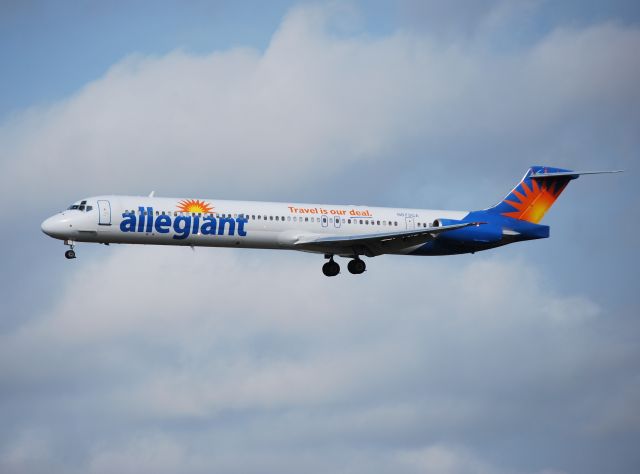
(104, 209)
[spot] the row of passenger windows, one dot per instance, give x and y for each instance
(260, 217)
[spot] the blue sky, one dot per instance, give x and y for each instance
(49, 50)
(137, 359)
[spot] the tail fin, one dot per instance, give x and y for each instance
(535, 194)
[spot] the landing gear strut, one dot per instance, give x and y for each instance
(70, 253)
(331, 268)
(356, 266)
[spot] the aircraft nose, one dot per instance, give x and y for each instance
(53, 226)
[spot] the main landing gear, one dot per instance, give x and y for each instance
(331, 268)
(70, 253)
(355, 266)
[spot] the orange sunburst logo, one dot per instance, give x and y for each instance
(534, 199)
(194, 205)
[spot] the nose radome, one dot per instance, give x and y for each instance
(47, 226)
(53, 226)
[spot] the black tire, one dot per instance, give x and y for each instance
(331, 269)
(70, 254)
(356, 266)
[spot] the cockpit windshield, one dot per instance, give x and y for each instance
(81, 206)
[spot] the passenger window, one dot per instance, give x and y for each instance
(306, 219)
(253, 217)
(270, 218)
(277, 218)
(360, 221)
(349, 221)
(378, 222)
(395, 223)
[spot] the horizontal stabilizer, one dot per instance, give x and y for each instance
(570, 174)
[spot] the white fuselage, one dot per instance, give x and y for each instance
(217, 223)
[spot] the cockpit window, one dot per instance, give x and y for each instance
(80, 207)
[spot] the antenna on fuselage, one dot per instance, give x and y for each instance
(152, 193)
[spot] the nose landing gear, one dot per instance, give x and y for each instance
(69, 254)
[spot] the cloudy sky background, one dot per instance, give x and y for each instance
(138, 359)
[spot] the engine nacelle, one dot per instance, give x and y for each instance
(442, 222)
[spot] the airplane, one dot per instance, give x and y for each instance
(347, 231)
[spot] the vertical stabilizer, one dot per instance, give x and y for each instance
(535, 193)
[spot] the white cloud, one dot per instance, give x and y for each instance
(309, 107)
(439, 459)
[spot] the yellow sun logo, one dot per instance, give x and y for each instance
(536, 200)
(194, 205)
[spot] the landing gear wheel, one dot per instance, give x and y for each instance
(356, 266)
(331, 268)
(70, 254)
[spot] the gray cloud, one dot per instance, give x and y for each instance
(247, 358)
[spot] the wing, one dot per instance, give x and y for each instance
(373, 244)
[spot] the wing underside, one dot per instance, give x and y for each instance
(372, 245)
